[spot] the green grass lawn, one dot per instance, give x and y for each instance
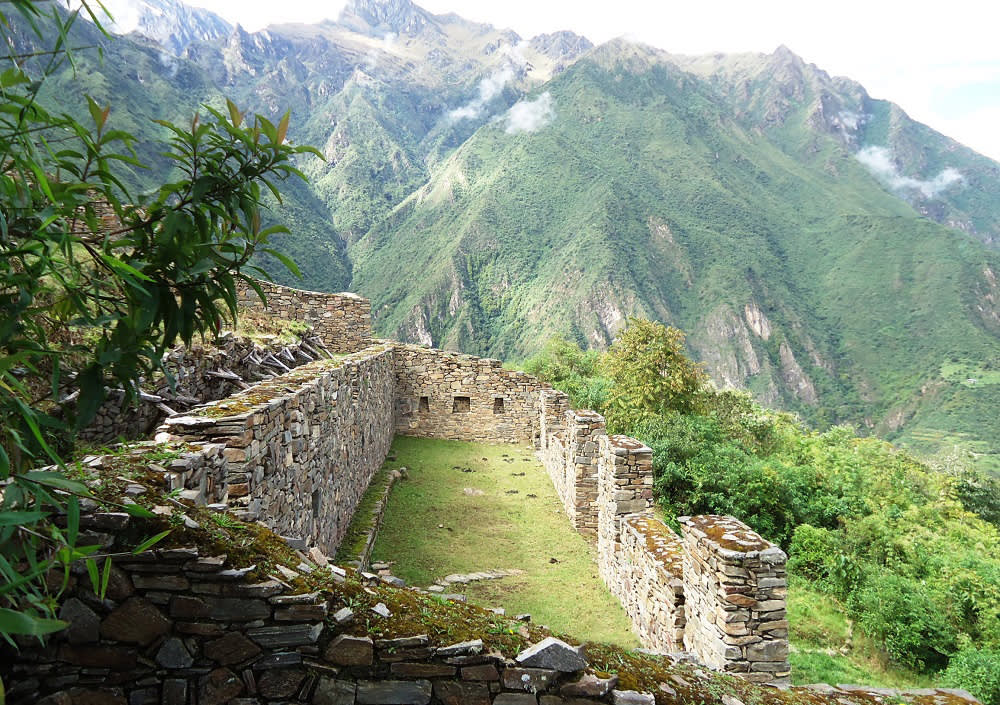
(433, 527)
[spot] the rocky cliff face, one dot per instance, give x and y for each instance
(170, 23)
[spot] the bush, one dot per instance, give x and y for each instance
(977, 671)
(900, 613)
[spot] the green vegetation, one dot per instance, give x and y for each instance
(908, 553)
(97, 281)
(470, 507)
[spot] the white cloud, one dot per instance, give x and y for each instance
(493, 85)
(879, 162)
(530, 115)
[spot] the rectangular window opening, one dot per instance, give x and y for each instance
(498, 405)
(425, 404)
(462, 404)
(315, 503)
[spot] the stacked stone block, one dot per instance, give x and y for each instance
(650, 582)
(625, 482)
(552, 408)
(735, 589)
(302, 448)
(585, 431)
(442, 394)
(342, 321)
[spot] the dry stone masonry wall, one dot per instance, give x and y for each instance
(441, 394)
(673, 601)
(342, 321)
(650, 583)
(735, 590)
(302, 448)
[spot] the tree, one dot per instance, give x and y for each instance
(96, 283)
(650, 375)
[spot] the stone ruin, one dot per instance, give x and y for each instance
(296, 452)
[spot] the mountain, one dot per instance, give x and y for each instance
(820, 247)
(171, 24)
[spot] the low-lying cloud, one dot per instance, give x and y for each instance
(879, 162)
(530, 115)
(491, 86)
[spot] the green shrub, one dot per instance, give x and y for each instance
(901, 614)
(977, 671)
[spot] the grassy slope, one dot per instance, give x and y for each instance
(496, 530)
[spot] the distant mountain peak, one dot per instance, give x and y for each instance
(399, 16)
(170, 23)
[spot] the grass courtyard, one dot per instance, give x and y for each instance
(471, 507)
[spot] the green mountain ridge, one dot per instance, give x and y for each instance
(819, 247)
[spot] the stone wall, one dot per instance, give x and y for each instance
(625, 486)
(650, 581)
(302, 448)
(182, 626)
(201, 373)
(569, 452)
(342, 321)
(725, 606)
(442, 394)
(735, 589)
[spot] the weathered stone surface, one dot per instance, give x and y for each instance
(534, 680)
(482, 672)
(394, 692)
(232, 647)
(561, 700)
(343, 615)
(173, 654)
(404, 642)
(515, 699)
(330, 691)
(589, 686)
(117, 658)
(97, 696)
(231, 609)
(463, 648)
(422, 670)
(84, 624)
(137, 621)
(451, 693)
(280, 683)
(632, 697)
(300, 613)
(282, 635)
(175, 691)
(553, 654)
(218, 687)
(347, 650)
(768, 651)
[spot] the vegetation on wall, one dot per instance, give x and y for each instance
(910, 551)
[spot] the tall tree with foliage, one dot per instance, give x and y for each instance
(96, 283)
(650, 374)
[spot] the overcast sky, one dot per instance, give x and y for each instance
(940, 61)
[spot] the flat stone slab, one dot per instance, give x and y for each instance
(553, 654)
(589, 686)
(394, 692)
(632, 697)
(463, 648)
